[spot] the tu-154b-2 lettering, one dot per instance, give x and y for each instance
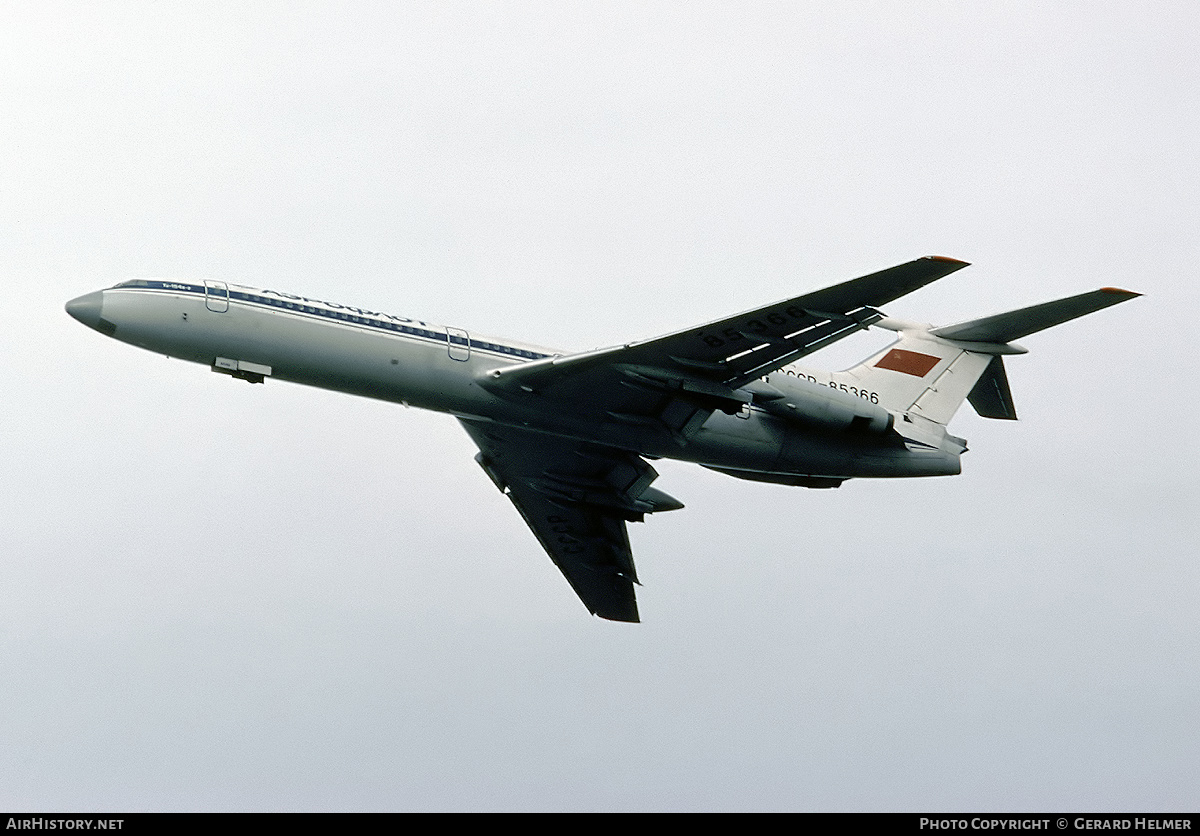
(568, 437)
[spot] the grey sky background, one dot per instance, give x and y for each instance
(223, 597)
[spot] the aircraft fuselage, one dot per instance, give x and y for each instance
(256, 334)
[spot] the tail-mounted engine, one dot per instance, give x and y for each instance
(811, 403)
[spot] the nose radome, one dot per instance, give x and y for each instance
(87, 308)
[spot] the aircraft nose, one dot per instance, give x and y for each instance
(86, 308)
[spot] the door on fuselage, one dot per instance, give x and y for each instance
(216, 296)
(458, 343)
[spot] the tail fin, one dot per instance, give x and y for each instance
(930, 371)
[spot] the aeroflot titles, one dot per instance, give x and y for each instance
(336, 306)
(453, 335)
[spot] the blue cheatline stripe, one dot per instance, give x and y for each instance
(300, 306)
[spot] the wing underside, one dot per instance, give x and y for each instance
(576, 498)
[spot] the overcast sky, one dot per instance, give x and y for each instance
(215, 596)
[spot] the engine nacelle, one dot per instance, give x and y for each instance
(793, 479)
(798, 399)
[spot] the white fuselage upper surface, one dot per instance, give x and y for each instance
(257, 333)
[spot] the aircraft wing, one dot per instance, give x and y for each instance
(576, 497)
(675, 382)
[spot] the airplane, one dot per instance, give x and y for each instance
(569, 437)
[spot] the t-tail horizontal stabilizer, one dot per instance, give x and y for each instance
(991, 396)
(931, 371)
(1006, 327)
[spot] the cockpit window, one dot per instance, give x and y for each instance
(134, 283)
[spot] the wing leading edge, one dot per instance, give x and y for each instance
(673, 383)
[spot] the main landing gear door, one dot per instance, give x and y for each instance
(216, 296)
(458, 343)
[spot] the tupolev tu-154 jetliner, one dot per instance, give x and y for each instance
(567, 436)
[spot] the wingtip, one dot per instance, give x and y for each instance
(1128, 294)
(619, 617)
(949, 260)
